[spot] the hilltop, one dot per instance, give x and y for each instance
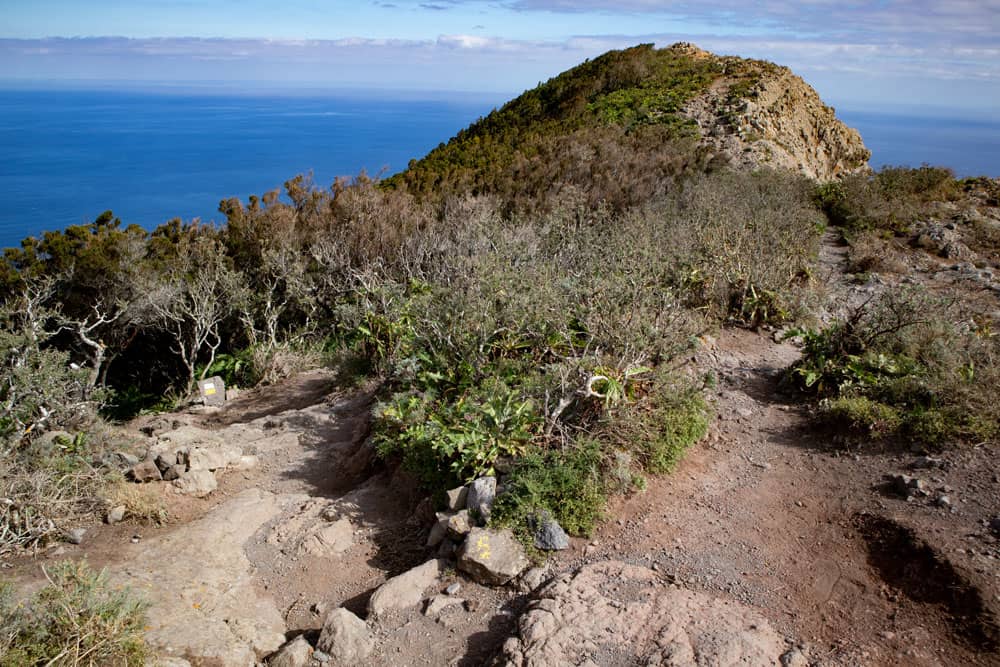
(626, 123)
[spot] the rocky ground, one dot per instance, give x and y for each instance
(289, 544)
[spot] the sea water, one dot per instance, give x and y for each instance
(150, 156)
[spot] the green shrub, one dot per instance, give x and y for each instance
(906, 365)
(77, 619)
(568, 483)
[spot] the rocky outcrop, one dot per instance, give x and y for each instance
(614, 613)
(205, 607)
(761, 114)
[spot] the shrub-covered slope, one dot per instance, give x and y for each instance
(623, 125)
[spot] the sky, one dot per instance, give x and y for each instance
(879, 55)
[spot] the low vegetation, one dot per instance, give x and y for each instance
(906, 367)
(78, 618)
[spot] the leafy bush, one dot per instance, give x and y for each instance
(568, 483)
(77, 619)
(900, 367)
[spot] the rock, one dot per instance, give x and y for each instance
(321, 657)
(197, 483)
(247, 462)
(439, 603)
(174, 472)
(165, 460)
(995, 525)
(532, 579)
(212, 390)
(447, 549)
(207, 607)
(438, 531)
(345, 638)
(904, 485)
(405, 590)
(115, 515)
(453, 588)
(549, 535)
(330, 539)
(145, 471)
(232, 393)
(482, 494)
(794, 658)
(457, 498)
(295, 653)
(201, 458)
(621, 609)
(459, 525)
(75, 535)
(492, 557)
(943, 501)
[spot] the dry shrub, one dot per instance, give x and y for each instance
(142, 502)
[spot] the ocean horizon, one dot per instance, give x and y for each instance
(158, 154)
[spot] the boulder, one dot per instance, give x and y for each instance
(439, 603)
(296, 653)
(197, 483)
(145, 471)
(174, 472)
(439, 530)
(345, 638)
(482, 494)
(115, 515)
(459, 525)
(492, 557)
(202, 458)
(405, 590)
(549, 535)
(457, 498)
(613, 608)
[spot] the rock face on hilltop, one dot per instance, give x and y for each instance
(778, 121)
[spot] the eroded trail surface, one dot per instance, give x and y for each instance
(766, 541)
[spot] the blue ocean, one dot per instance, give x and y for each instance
(151, 156)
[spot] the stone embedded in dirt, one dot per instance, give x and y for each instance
(345, 638)
(492, 557)
(405, 590)
(115, 515)
(532, 579)
(904, 485)
(247, 462)
(331, 539)
(453, 588)
(623, 609)
(943, 501)
(296, 653)
(549, 535)
(459, 525)
(207, 607)
(794, 658)
(197, 483)
(202, 458)
(457, 498)
(925, 462)
(145, 471)
(75, 535)
(995, 525)
(482, 493)
(439, 603)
